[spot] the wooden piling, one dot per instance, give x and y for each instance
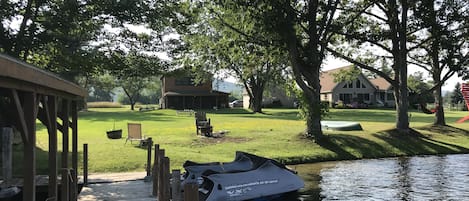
(191, 192)
(149, 146)
(167, 177)
(161, 179)
(65, 183)
(176, 185)
(7, 154)
(155, 171)
(85, 164)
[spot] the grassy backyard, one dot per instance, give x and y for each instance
(274, 134)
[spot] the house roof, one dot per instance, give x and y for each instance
(380, 83)
(327, 78)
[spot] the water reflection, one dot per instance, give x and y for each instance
(413, 178)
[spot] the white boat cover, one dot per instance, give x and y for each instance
(267, 180)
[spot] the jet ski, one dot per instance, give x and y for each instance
(248, 177)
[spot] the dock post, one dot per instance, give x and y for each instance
(155, 171)
(7, 156)
(167, 177)
(160, 193)
(85, 164)
(176, 186)
(191, 192)
(148, 167)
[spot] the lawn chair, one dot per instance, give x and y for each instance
(202, 124)
(135, 133)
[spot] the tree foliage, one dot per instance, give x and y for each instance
(379, 35)
(211, 45)
(419, 90)
(456, 95)
(134, 72)
(300, 28)
(67, 37)
(441, 49)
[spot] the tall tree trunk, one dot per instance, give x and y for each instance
(439, 114)
(312, 95)
(402, 105)
(256, 100)
(436, 70)
(313, 117)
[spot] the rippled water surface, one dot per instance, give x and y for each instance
(413, 178)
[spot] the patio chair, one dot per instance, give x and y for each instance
(202, 124)
(135, 133)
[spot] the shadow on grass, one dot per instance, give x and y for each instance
(343, 145)
(446, 130)
(230, 111)
(125, 116)
(418, 144)
(284, 114)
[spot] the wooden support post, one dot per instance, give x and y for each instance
(7, 154)
(30, 114)
(149, 146)
(191, 192)
(65, 184)
(176, 186)
(65, 142)
(160, 175)
(85, 164)
(155, 171)
(74, 173)
(50, 106)
(167, 177)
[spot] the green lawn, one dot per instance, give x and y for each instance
(274, 134)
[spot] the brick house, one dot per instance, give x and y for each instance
(361, 90)
(179, 91)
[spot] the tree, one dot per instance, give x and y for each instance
(134, 72)
(456, 96)
(211, 45)
(379, 33)
(65, 36)
(419, 90)
(100, 88)
(441, 47)
(303, 30)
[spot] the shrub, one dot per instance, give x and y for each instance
(104, 105)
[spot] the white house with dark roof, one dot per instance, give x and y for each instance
(361, 90)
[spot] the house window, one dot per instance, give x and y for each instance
(348, 85)
(381, 96)
(345, 98)
(184, 81)
(363, 97)
(357, 84)
(363, 86)
(325, 97)
(390, 96)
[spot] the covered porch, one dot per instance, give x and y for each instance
(195, 100)
(28, 94)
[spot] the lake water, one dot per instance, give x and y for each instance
(407, 178)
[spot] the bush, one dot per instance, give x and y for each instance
(104, 105)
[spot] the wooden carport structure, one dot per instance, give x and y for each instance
(28, 94)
